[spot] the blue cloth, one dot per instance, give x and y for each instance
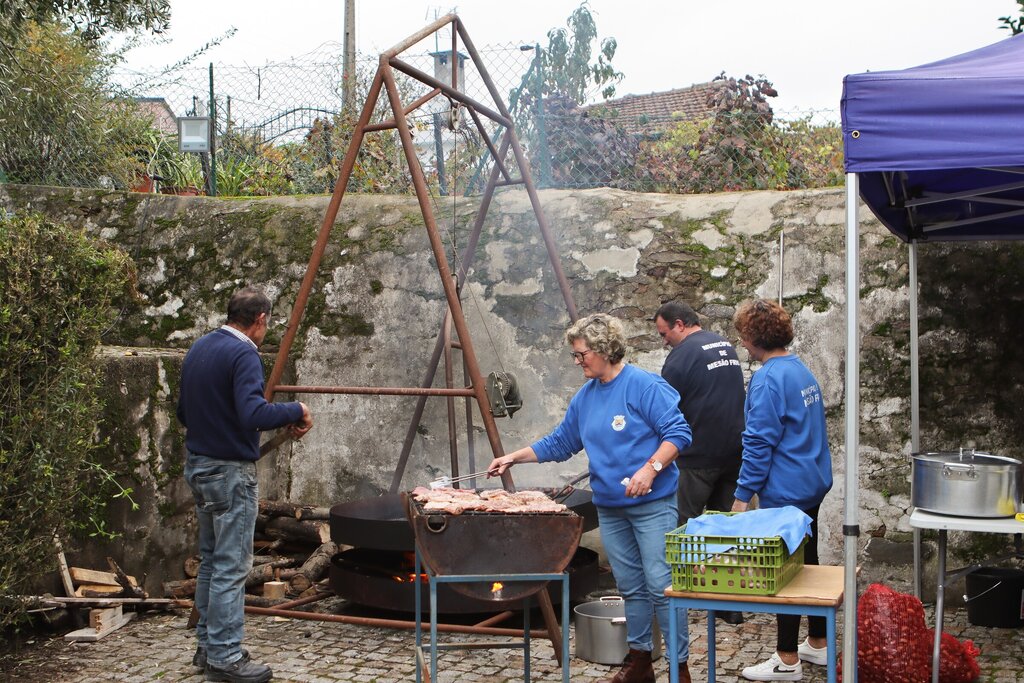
(226, 496)
(621, 423)
(221, 399)
(786, 458)
(788, 523)
(634, 540)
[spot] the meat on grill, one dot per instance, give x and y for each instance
(457, 501)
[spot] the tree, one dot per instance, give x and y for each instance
(91, 18)
(1015, 26)
(567, 66)
(60, 125)
(59, 292)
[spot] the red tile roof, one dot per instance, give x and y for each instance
(653, 113)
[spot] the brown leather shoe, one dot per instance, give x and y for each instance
(636, 668)
(684, 673)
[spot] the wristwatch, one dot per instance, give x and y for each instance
(656, 464)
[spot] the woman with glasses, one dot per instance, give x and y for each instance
(786, 461)
(628, 421)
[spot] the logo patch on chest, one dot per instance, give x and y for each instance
(619, 423)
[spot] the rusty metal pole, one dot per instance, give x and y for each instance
(325, 232)
(524, 169)
(388, 623)
(423, 196)
(468, 256)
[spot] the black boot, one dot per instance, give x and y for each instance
(243, 670)
(733, 618)
(636, 668)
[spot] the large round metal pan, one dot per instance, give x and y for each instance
(381, 522)
(495, 545)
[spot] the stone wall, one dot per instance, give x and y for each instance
(377, 306)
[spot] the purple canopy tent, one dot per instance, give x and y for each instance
(935, 153)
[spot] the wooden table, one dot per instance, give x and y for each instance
(816, 591)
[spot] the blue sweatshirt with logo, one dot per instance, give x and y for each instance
(786, 459)
(221, 400)
(621, 423)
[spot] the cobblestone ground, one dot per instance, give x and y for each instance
(157, 647)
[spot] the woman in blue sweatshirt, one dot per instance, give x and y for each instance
(786, 461)
(628, 421)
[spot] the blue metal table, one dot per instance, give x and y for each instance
(523, 644)
(816, 591)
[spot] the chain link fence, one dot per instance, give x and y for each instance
(281, 128)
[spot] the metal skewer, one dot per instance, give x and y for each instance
(445, 482)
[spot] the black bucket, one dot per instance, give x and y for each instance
(995, 597)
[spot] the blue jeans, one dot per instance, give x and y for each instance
(226, 505)
(634, 540)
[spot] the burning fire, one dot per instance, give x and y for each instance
(496, 588)
(411, 578)
(408, 561)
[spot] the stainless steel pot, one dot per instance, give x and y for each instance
(601, 631)
(967, 484)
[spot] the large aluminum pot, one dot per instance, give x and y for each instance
(967, 484)
(601, 631)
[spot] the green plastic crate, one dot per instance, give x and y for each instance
(730, 564)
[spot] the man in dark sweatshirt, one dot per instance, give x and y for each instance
(704, 368)
(222, 406)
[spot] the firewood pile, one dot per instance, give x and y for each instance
(292, 551)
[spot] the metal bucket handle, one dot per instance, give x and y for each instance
(990, 588)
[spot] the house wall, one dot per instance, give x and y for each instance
(377, 305)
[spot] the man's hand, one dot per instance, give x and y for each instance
(740, 506)
(304, 424)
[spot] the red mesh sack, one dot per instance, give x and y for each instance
(892, 640)
(958, 662)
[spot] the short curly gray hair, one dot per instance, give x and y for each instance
(602, 333)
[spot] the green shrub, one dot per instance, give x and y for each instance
(59, 291)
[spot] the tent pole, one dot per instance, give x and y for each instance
(915, 397)
(851, 529)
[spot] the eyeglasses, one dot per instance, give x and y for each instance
(578, 356)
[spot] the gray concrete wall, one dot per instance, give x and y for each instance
(377, 306)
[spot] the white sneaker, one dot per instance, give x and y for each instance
(814, 655)
(774, 670)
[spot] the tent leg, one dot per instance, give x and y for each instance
(851, 530)
(915, 395)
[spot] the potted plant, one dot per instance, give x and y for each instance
(155, 155)
(233, 174)
(184, 176)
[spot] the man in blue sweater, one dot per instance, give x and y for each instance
(222, 406)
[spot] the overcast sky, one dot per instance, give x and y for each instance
(804, 47)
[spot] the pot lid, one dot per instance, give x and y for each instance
(968, 458)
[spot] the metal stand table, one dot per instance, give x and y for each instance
(523, 644)
(816, 591)
(919, 519)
